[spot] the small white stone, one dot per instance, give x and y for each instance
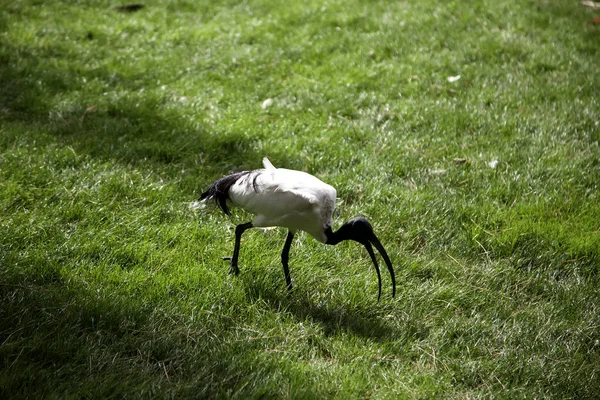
(267, 103)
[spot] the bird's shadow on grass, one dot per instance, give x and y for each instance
(364, 320)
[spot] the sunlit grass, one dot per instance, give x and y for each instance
(483, 190)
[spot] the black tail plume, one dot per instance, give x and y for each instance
(219, 189)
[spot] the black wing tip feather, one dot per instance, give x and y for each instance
(219, 189)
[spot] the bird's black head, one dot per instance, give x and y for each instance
(360, 230)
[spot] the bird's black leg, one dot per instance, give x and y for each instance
(241, 228)
(284, 259)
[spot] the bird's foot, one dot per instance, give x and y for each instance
(233, 269)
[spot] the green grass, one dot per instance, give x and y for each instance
(111, 125)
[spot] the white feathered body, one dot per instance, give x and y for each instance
(287, 198)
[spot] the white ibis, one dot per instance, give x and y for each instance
(294, 200)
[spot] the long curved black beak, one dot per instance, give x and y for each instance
(375, 242)
(360, 230)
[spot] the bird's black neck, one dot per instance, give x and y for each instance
(340, 235)
(357, 229)
(331, 236)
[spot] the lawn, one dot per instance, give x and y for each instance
(466, 132)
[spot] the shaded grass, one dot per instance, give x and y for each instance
(111, 124)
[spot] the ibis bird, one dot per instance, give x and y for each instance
(294, 200)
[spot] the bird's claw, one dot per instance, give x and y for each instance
(233, 268)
